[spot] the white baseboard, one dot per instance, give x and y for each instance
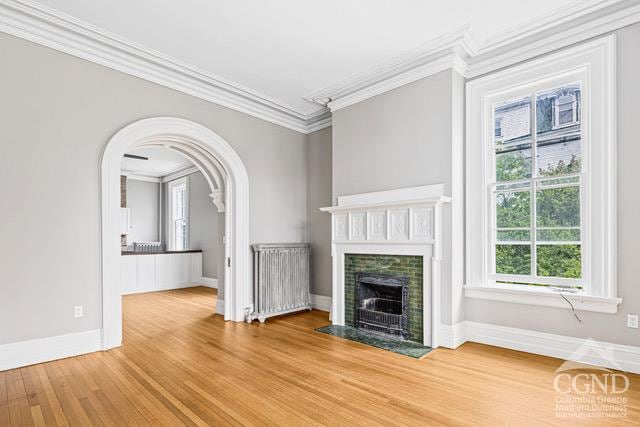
(220, 306)
(321, 302)
(451, 336)
(209, 282)
(598, 353)
(164, 288)
(25, 353)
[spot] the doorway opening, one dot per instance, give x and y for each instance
(228, 183)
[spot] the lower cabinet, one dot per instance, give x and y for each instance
(148, 273)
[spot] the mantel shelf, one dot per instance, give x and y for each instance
(431, 201)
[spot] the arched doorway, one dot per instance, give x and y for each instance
(229, 183)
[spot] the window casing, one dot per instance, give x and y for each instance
(582, 81)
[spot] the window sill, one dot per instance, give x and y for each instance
(544, 297)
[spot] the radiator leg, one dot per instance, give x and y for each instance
(262, 319)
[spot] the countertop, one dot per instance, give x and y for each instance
(161, 252)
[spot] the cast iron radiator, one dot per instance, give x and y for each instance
(281, 279)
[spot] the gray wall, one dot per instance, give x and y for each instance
(604, 327)
(401, 138)
(61, 114)
(142, 200)
(318, 196)
(203, 225)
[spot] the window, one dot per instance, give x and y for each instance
(541, 180)
(179, 214)
(536, 205)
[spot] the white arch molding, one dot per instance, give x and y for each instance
(220, 164)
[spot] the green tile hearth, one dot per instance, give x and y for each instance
(395, 345)
(402, 265)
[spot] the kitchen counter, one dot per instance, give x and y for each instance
(190, 251)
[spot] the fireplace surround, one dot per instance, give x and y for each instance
(396, 223)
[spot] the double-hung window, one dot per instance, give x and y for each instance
(541, 181)
(178, 214)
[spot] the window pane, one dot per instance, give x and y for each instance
(559, 261)
(559, 235)
(559, 156)
(513, 164)
(513, 235)
(558, 130)
(513, 209)
(513, 259)
(558, 207)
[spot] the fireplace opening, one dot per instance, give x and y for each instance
(382, 302)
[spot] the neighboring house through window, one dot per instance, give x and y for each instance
(541, 181)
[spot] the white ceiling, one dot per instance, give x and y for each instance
(162, 162)
(287, 49)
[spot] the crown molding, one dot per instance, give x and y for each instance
(565, 14)
(43, 25)
(180, 173)
(138, 177)
(613, 15)
(445, 52)
(461, 51)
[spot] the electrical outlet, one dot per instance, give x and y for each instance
(632, 321)
(78, 311)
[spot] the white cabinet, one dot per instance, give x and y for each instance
(157, 272)
(128, 273)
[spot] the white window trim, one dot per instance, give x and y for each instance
(595, 64)
(172, 232)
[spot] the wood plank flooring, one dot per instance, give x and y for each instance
(182, 365)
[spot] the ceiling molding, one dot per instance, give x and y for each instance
(46, 26)
(569, 12)
(137, 177)
(180, 173)
(462, 52)
(449, 61)
(459, 50)
(432, 57)
(554, 37)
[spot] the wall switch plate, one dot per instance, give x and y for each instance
(78, 311)
(632, 321)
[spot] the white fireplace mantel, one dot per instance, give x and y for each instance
(397, 222)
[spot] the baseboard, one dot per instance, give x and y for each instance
(321, 302)
(598, 353)
(220, 306)
(209, 282)
(167, 288)
(25, 353)
(451, 336)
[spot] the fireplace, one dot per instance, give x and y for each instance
(382, 303)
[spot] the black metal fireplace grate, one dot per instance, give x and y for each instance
(382, 304)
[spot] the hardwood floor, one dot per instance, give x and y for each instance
(182, 365)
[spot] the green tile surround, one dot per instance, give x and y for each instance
(410, 266)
